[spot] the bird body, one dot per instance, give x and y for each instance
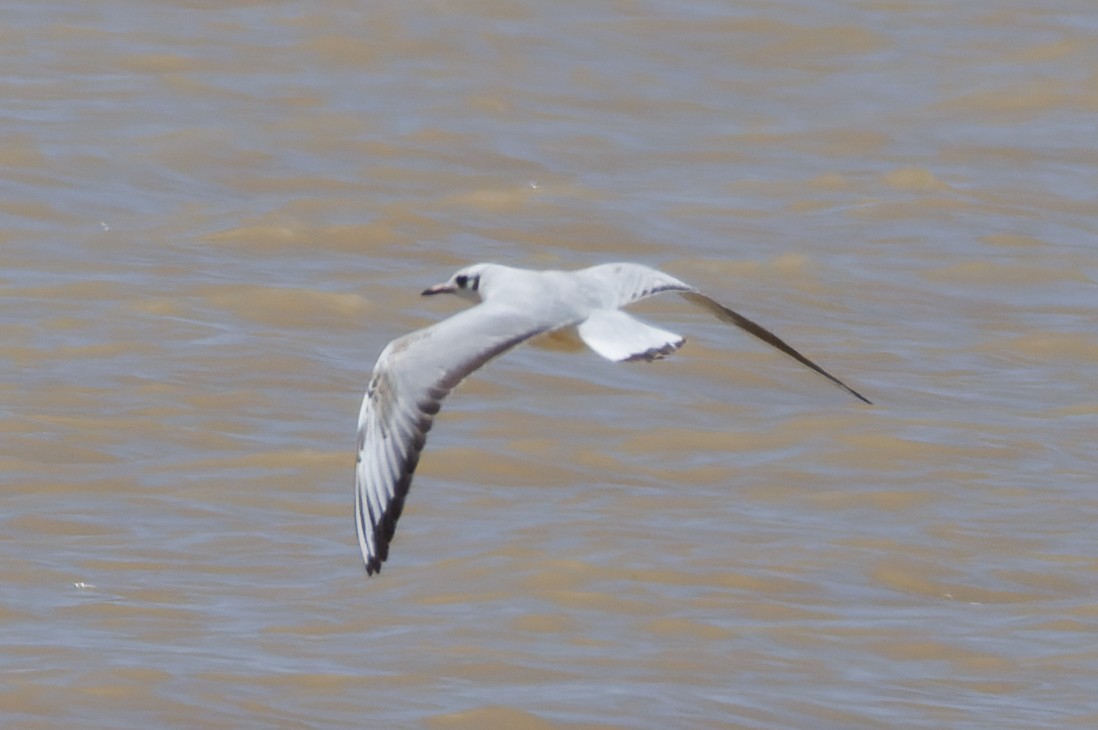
(417, 371)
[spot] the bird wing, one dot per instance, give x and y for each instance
(622, 284)
(725, 314)
(412, 376)
(628, 283)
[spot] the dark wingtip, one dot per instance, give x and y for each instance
(835, 380)
(859, 396)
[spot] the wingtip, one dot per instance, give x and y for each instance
(856, 394)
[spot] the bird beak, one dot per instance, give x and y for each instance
(446, 288)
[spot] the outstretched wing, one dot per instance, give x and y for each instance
(412, 376)
(753, 328)
(626, 283)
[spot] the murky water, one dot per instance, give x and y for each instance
(213, 218)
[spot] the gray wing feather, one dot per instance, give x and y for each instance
(411, 378)
(625, 283)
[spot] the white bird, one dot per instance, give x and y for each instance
(415, 372)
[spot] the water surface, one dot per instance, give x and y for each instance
(212, 219)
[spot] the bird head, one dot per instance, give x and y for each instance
(465, 283)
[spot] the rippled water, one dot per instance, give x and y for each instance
(213, 218)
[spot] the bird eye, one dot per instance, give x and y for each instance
(461, 281)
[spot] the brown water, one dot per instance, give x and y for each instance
(213, 218)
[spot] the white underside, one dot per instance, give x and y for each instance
(617, 336)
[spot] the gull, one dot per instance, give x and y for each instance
(417, 371)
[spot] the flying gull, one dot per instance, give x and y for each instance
(415, 372)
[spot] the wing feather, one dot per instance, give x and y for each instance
(626, 283)
(411, 378)
(725, 314)
(630, 283)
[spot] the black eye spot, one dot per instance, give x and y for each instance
(476, 282)
(461, 281)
